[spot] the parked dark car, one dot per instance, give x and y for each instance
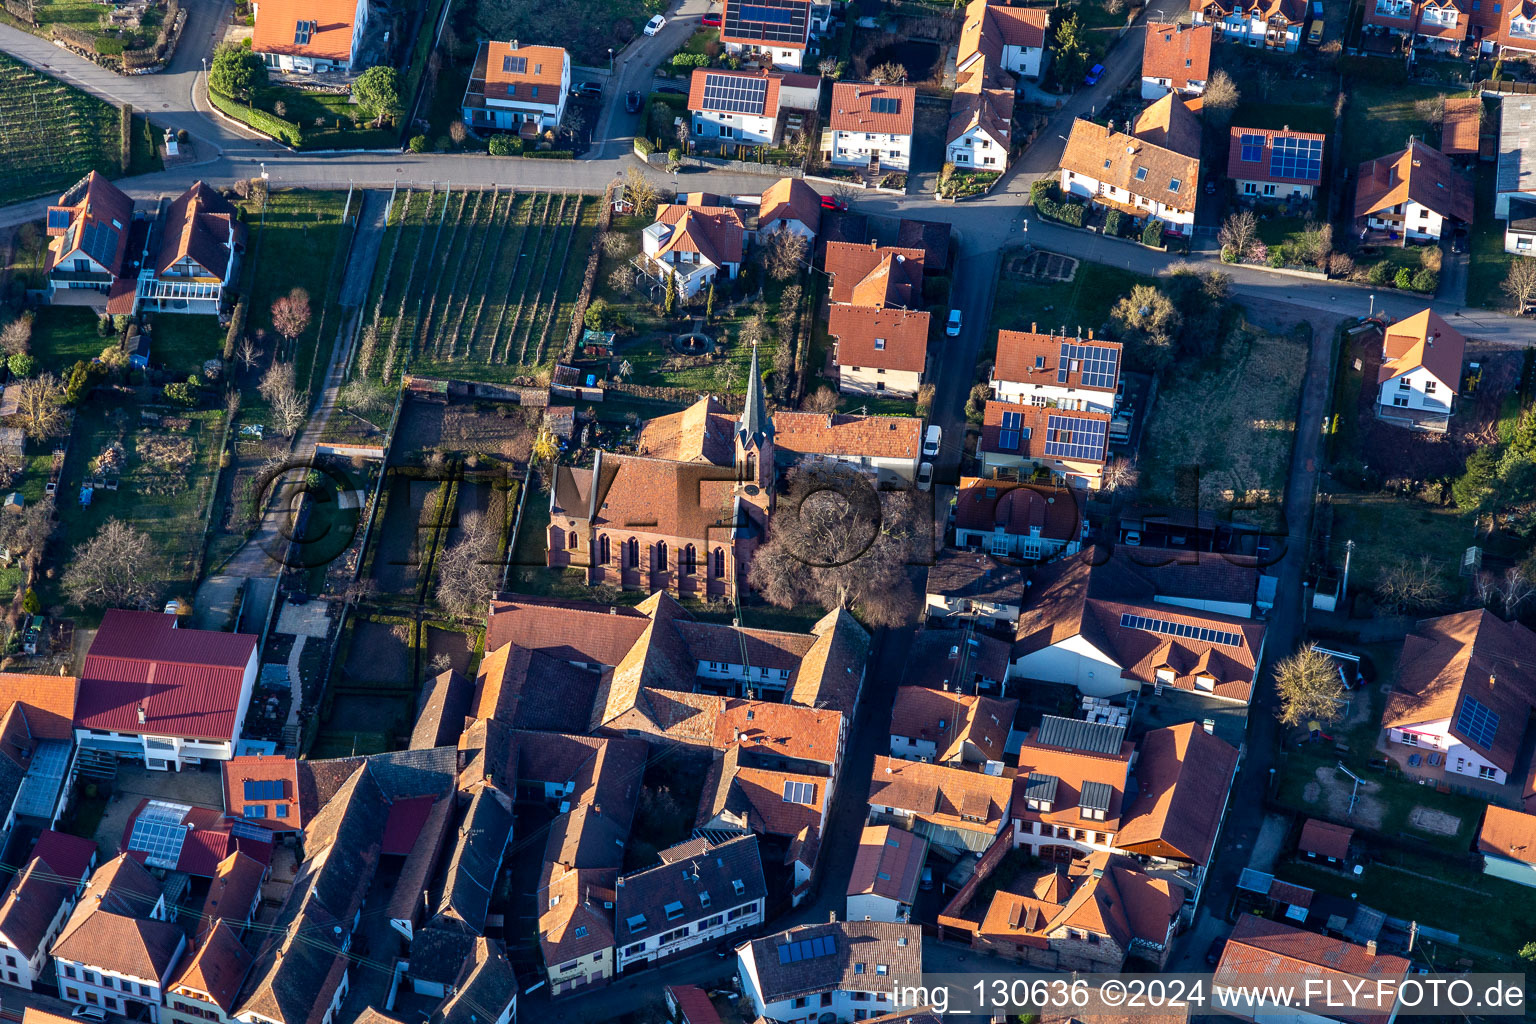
(587, 90)
(633, 102)
(1213, 954)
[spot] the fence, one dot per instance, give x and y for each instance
(1498, 87)
(741, 166)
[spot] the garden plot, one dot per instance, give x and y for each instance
(481, 284)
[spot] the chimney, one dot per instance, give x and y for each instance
(1370, 947)
(1032, 328)
(143, 714)
(833, 917)
(1090, 334)
(873, 245)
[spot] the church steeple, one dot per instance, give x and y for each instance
(755, 428)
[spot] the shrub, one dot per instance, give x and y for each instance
(1380, 274)
(1424, 280)
(550, 154)
(1114, 223)
(1403, 278)
(418, 144)
(1277, 256)
(182, 392)
(500, 145)
(644, 146)
(236, 329)
(283, 131)
(690, 60)
(21, 365)
(1072, 213)
(1152, 234)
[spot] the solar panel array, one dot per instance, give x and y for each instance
(1253, 148)
(807, 949)
(1070, 437)
(771, 21)
(735, 94)
(99, 242)
(884, 105)
(58, 220)
(1181, 629)
(1296, 158)
(158, 834)
(263, 789)
(1477, 722)
(1099, 364)
(1008, 436)
(246, 830)
(514, 65)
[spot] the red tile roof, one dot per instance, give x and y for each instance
(568, 630)
(1239, 169)
(935, 793)
(693, 1004)
(879, 437)
(216, 965)
(985, 504)
(790, 199)
(1263, 947)
(1072, 769)
(1179, 54)
(69, 856)
(331, 39)
(208, 841)
(852, 108)
(189, 682)
(1423, 340)
(236, 882)
(713, 232)
(543, 69)
(1325, 839)
(1034, 432)
(1462, 127)
(201, 225)
(101, 215)
(49, 701)
(889, 863)
(404, 824)
(264, 768)
(891, 339)
(1507, 833)
(1027, 357)
(875, 275)
(1185, 775)
(1419, 174)
(950, 720)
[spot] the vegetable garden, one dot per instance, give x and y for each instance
(480, 284)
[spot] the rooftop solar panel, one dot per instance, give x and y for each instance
(58, 220)
(1253, 148)
(736, 94)
(1477, 723)
(769, 21)
(1296, 158)
(1071, 437)
(514, 65)
(99, 243)
(1098, 364)
(1166, 627)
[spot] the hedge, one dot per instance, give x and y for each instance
(270, 124)
(236, 329)
(1049, 203)
(549, 154)
(1152, 234)
(125, 135)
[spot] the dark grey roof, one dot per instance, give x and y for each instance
(1075, 734)
(1522, 215)
(975, 576)
(1041, 787)
(795, 962)
(441, 712)
(664, 897)
(1095, 796)
(407, 773)
(486, 988)
(439, 951)
(755, 427)
(482, 840)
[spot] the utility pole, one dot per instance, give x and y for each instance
(1349, 549)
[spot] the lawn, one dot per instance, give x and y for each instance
(1488, 264)
(1241, 448)
(53, 135)
(64, 335)
(1084, 301)
(1274, 96)
(1386, 527)
(327, 119)
(1380, 118)
(183, 342)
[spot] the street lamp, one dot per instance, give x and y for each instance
(610, 60)
(1373, 305)
(264, 176)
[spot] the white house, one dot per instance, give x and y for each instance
(695, 245)
(88, 244)
(38, 900)
(201, 238)
(1507, 841)
(1420, 366)
(1271, 24)
(980, 126)
(789, 204)
(739, 108)
(1152, 172)
(1019, 520)
(309, 36)
(1176, 59)
(1011, 37)
(167, 696)
(1463, 695)
(1515, 179)
(1275, 165)
(775, 31)
(872, 125)
(1410, 195)
(517, 88)
(887, 871)
(1062, 372)
(699, 893)
(841, 971)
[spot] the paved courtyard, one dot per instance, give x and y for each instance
(201, 787)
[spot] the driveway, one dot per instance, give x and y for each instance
(634, 70)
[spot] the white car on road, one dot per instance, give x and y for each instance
(654, 25)
(925, 476)
(952, 328)
(931, 440)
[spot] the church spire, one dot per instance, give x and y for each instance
(755, 428)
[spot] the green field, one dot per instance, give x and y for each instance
(481, 284)
(1084, 301)
(1380, 117)
(1488, 263)
(53, 135)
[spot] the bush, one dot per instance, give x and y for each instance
(21, 365)
(236, 329)
(182, 392)
(690, 60)
(1049, 202)
(418, 144)
(1114, 223)
(1152, 234)
(550, 154)
(1380, 274)
(1278, 256)
(1403, 279)
(270, 124)
(1424, 280)
(644, 146)
(501, 145)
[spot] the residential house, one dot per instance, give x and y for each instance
(695, 245)
(684, 516)
(888, 446)
(1507, 841)
(1071, 790)
(970, 585)
(954, 808)
(954, 729)
(1420, 374)
(1460, 704)
(789, 204)
(91, 246)
(1019, 440)
(1514, 199)
(1092, 918)
(1275, 165)
(441, 710)
(965, 662)
(234, 893)
(1272, 24)
(875, 276)
(198, 256)
(119, 947)
(1500, 29)
(1324, 841)
(1428, 24)
(1057, 371)
(739, 108)
(1008, 518)
(1152, 171)
(1411, 195)
(1012, 38)
(773, 32)
(151, 691)
(1185, 776)
(263, 790)
(1258, 946)
(879, 350)
(309, 36)
(887, 871)
(1520, 227)
(37, 900)
(517, 88)
(1119, 626)
(786, 804)
(1177, 59)
(842, 971)
(37, 755)
(871, 125)
(485, 991)
(690, 1004)
(206, 984)
(700, 892)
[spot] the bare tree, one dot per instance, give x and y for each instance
(836, 541)
(291, 314)
(784, 254)
(1430, 109)
(1309, 688)
(830, 67)
(889, 73)
(1410, 585)
(617, 245)
(1520, 284)
(1518, 587)
(16, 336)
(41, 405)
(823, 399)
(1238, 233)
(360, 397)
(457, 132)
(247, 353)
(467, 569)
(278, 378)
(1220, 96)
(232, 402)
(641, 192)
(622, 278)
(115, 567)
(366, 348)
(290, 409)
